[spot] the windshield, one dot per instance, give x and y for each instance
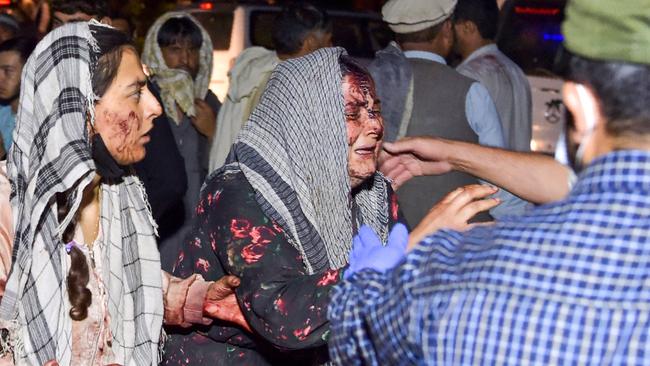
(218, 26)
(530, 34)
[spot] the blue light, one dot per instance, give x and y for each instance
(553, 37)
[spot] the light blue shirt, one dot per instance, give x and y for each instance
(7, 125)
(483, 118)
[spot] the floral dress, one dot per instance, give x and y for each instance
(286, 307)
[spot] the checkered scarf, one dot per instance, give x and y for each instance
(177, 86)
(51, 154)
(294, 152)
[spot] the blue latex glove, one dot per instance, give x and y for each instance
(368, 251)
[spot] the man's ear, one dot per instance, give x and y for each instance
(469, 27)
(583, 105)
(106, 20)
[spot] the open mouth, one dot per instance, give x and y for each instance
(368, 150)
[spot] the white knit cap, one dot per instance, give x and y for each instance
(408, 16)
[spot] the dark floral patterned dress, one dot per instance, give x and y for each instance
(285, 306)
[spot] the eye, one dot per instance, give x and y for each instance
(137, 95)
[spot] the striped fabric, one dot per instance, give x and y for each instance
(566, 284)
(51, 153)
(294, 152)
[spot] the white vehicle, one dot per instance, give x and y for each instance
(530, 35)
(234, 27)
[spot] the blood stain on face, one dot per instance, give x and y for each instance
(364, 126)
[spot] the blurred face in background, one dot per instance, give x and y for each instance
(11, 66)
(182, 55)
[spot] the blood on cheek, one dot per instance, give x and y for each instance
(123, 132)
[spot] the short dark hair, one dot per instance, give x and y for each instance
(483, 13)
(424, 35)
(95, 8)
(23, 45)
(293, 25)
(177, 30)
(9, 23)
(623, 90)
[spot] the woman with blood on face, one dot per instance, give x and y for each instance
(86, 286)
(281, 214)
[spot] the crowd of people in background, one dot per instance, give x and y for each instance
(324, 211)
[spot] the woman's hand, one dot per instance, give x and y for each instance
(221, 303)
(369, 252)
(454, 210)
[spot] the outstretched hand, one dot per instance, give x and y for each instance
(455, 210)
(221, 302)
(411, 157)
(369, 252)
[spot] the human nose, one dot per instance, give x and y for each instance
(185, 56)
(152, 108)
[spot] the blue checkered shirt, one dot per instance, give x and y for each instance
(568, 283)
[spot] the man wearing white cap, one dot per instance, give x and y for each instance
(422, 96)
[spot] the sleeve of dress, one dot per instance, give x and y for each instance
(280, 301)
(183, 299)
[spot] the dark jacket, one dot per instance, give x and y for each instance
(162, 170)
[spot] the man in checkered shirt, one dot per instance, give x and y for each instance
(567, 283)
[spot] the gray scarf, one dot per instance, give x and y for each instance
(294, 153)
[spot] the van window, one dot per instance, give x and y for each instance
(530, 34)
(218, 26)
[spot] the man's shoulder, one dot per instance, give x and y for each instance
(446, 74)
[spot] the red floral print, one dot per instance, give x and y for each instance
(277, 227)
(262, 235)
(239, 228)
(394, 207)
(329, 277)
(252, 253)
(280, 305)
(202, 265)
(301, 334)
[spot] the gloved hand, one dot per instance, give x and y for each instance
(368, 251)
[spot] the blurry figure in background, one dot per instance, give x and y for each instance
(422, 96)
(162, 171)
(8, 27)
(298, 30)
(123, 23)
(13, 55)
(178, 53)
(66, 11)
(565, 284)
(475, 24)
(37, 12)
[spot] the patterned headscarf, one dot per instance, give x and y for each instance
(51, 154)
(177, 86)
(294, 153)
